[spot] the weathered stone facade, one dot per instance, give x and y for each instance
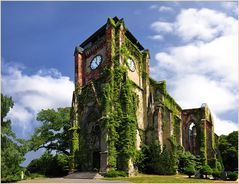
(102, 110)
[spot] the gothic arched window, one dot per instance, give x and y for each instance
(192, 137)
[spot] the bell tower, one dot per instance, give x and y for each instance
(110, 80)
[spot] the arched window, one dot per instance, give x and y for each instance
(95, 136)
(192, 137)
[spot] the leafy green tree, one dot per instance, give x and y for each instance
(6, 104)
(49, 165)
(232, 138)
(206, 170)
(228, 146)
(189, 170)
(53, 133)
(185, 159)
(156, 161)
(12, 149)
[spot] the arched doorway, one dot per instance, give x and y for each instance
(95, 146)
(91, 138)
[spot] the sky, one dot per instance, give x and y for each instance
(193, 46)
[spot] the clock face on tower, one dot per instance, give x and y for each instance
(95, 62)
(131, 64)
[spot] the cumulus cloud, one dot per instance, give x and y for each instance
(202, 24)
(204, 67)
(223, 126)
(32, 93)
(162, 26)
(217, 58)
(192, 90)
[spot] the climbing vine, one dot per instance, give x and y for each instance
(117, 102)
(119, 106)
(122, 122)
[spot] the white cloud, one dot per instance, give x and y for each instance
(157, 37)
(165, 9)
(205, 68)
(161, 8)
(201, 24)
(222, 126)
(32, 93)
(204, 24)
(231, 6)
(217, 58)
(162, 26)
(193, 90)
(153, 6)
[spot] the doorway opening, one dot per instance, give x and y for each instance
(96, 160)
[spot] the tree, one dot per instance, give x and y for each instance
(228, 146)
(189, 170)
(156, 161)
(6, 104)
(206, 170)
(12, 149)
(53, 133)
(50, 165)
(185, 159)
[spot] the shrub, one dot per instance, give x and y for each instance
(49, 165)
(189, 170)
(13, 178)
(156, 161)
(115, 173)
(185, 159)
(206, 170)
(232, 176)
(219, 166)
(216, 174)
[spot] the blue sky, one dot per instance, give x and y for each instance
(193, 45)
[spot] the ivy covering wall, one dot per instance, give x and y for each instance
(120, 106)
(115, 103)
(114, 97)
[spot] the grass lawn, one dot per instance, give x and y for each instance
(143, 178)
(36, 176)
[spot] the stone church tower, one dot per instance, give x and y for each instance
(117, 107)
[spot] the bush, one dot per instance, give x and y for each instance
(49, 165)
(206, 170)
(189, 170)
(114, 173)
(185, 159)
(219, 166)
(156, 161)
(216, 174)
(232, 176)
(13, 178)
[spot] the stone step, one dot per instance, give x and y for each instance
(83, 175)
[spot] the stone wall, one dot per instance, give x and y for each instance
(159, 118)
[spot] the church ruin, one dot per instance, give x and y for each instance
(117, 106)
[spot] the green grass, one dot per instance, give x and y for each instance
(143, 178)
(36, 176)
